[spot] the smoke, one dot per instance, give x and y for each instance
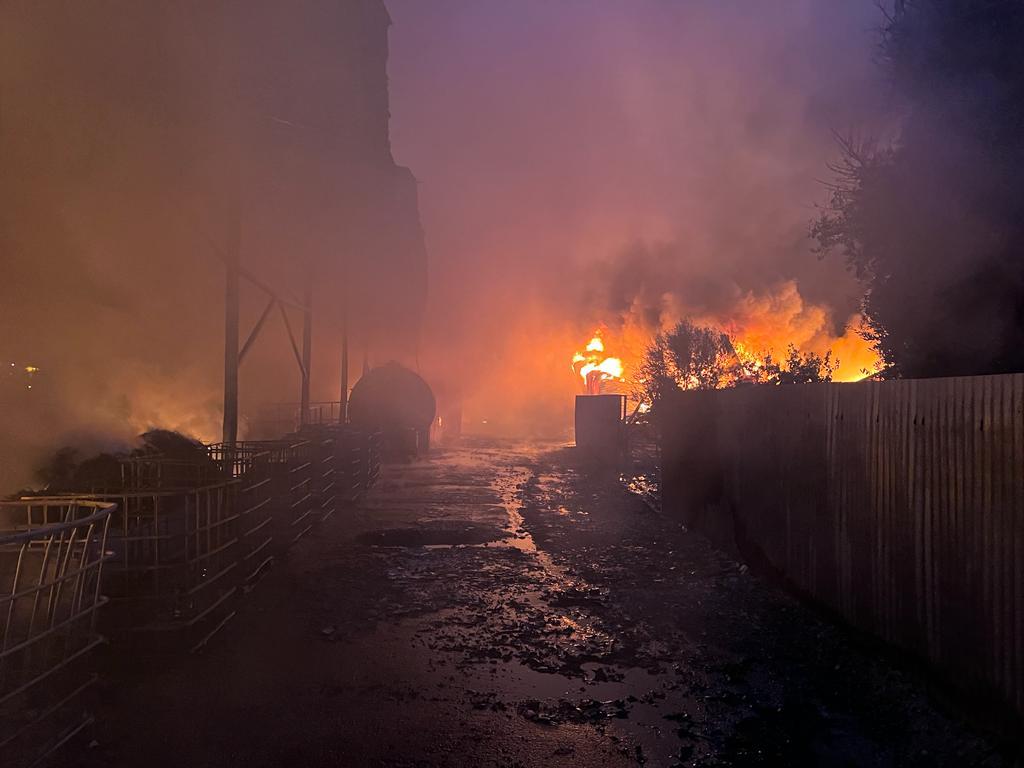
(932, 220)
(589, 163)
(650, 287)
(99, 291)
(130, 135)
(577, 164)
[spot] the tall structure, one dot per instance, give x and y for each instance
(163, 126)
(314, 84)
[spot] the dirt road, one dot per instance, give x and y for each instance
(496, 605)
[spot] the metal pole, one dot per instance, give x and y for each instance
(307, 350)
(343, 406)
(231, 293)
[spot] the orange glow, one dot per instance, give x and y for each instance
(757, 324)
(594, 368)
(517, 381)
(771, 320)
(749, 361)
(609, 368)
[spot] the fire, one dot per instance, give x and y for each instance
(772, 319)
(594, 368)
(749, 362)
(757, 326)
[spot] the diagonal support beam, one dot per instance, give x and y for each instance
(307, 348)
(256, 328)
(245, 273)
(291, 338)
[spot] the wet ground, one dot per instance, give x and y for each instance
(498, 605)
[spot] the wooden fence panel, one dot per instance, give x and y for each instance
(898, 504)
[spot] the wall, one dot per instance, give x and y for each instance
(898, 504)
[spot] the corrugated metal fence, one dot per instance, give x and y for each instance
(899, 504)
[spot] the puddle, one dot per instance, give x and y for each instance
(515, 653)
(451, 534)
(652, 711)
(509, 487)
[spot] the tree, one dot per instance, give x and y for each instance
(656, 378)
(932, 223)
(689, 356)
(703, 358)
(797, 368)
(692, 356)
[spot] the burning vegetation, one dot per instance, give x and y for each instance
(696, 357)
(690, 355)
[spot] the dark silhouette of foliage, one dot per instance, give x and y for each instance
(933, 222)
(691, 356)
(687, 357)
(797, 368)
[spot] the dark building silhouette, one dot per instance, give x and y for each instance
(135, 139)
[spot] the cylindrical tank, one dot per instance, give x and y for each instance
(399, 403)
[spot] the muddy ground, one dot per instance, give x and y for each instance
(498, 605)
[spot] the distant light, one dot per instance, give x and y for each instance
(30, 368)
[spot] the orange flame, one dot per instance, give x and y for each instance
(593, 367)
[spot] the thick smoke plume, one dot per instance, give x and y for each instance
(580, 164)
(138, 140)
(621, 164)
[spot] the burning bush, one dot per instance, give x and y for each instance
(692, 356)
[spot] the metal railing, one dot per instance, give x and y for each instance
(277, 419)
(281, 473)
(173, 552)
(325, 473)
(374, 449)
(156, 471)
(172, 558)
(238, 459)
(301, 506)
(250, 464)
(348, 460)
(351, 454)
(51, 559)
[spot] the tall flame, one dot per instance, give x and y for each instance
(593, 367)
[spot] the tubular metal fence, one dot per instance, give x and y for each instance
(172, 555)
(173, 540)
(51, 561)
(272, 420)
(249, 464)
